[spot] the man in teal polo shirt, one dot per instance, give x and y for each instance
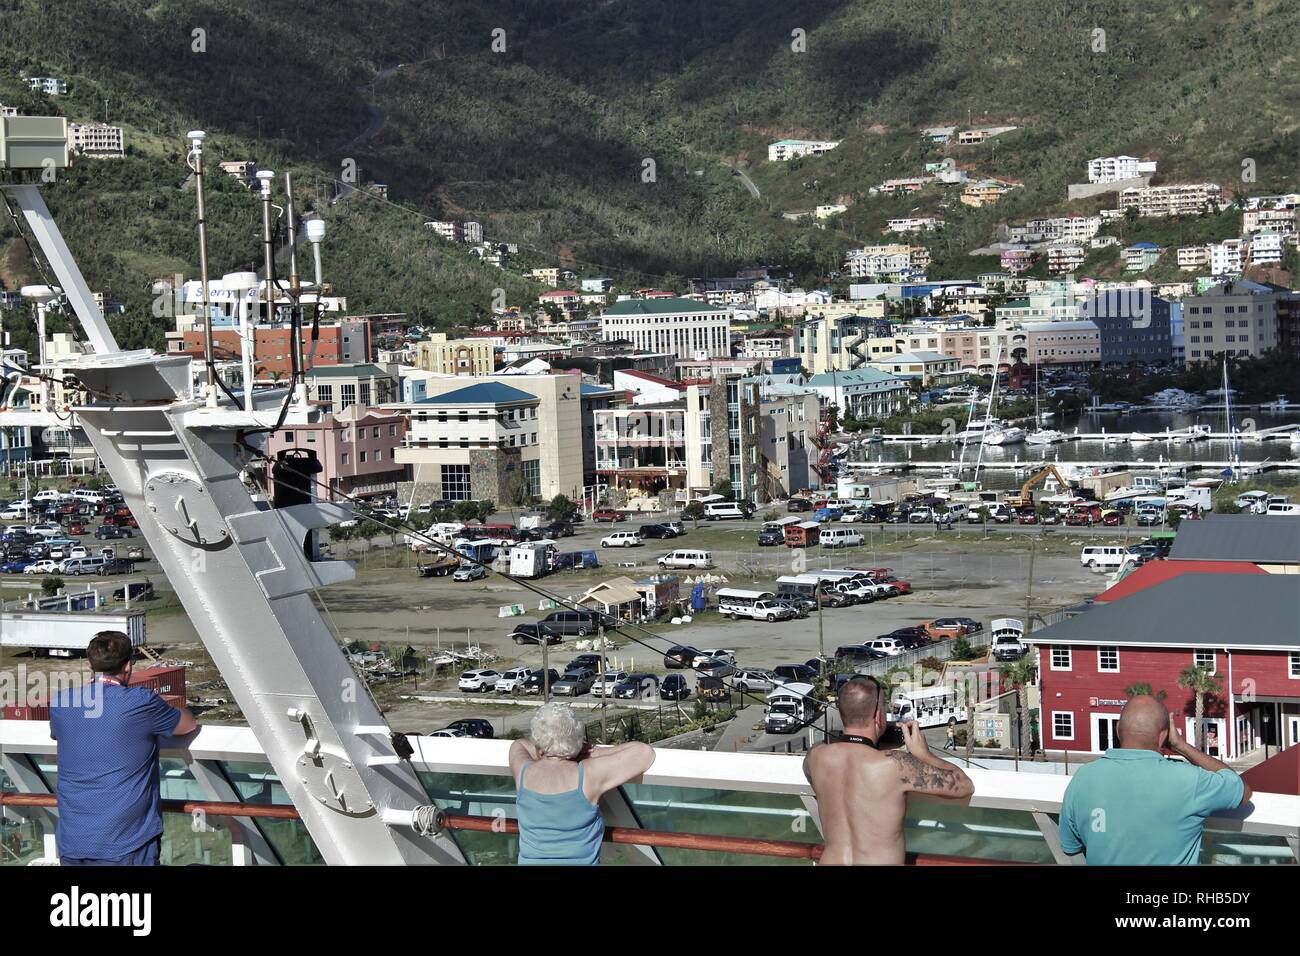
(1134, 807)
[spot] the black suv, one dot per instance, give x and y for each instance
(674, 687)
(635, 685)
(795, 673)
(656, 531)
(583, 661)
(533, 634)
(573, 623)
(910, 637)
(680, 656)
(858, 652)
(796, 505)
(767, 539)
(473, 727)
(533, 685)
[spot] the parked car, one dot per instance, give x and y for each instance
(139, 591)
(943, 629)
(799, 606)
(637, 685)
(512, 680)
(679, 656)
(533, 685)
(754, 680)
(447, 732)
(622, 539)
(605, 688)
(674, 687)
(534, 634)
(469, 572)
(920, 516)
(574, 683)
(714, 690)
(105, 531)
(794, 673)
(584, 660)
(561, 529)
(43, 566)
(482, 679)
(473, 727)
(770, 538)
(797, 505)
(656, 531)
(1028, 516)
(606, 514)
(676, 526)
(16, 565)
(910, 637)
(850, 653)
(890, 646)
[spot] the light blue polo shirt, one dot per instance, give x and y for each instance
(1137, 808)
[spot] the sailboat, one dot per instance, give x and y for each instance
(1042, 436)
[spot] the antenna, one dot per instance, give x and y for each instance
(264, 177)
(41, 296)
(195, 162)
(295, 290)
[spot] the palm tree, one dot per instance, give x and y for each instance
(1200, 681)
(1020, 674)
(1143, 689)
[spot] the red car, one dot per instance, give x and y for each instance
(608, 515)
(76, 528)
(1028, 517)
(886, 576)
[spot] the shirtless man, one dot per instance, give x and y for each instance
(862, 792)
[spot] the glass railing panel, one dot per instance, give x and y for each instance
(1226, 847)
(762, 816)
(981, 833)
(257, 783)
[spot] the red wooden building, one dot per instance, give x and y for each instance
(1245, 627)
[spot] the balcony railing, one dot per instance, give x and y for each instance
(680, 811)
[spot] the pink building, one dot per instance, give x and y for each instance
(355, 448)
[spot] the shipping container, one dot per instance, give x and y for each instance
(167, 682)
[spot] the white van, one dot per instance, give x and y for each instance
(1282, 508)
(841, 538)
(1107, 556)
(957, 511)
(723, 509)
(82, 566)
(621, 539)
(93, 497)
(684, 558)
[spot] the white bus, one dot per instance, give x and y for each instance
(930, 706)
(758, 605)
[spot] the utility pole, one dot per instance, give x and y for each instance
(821, 644)
(604, 691)
(545, 638)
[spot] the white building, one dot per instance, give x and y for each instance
(96, 140)
(1110, 169)
(1226, 257)
(830, 209)
(913, 224)
(676, 326)
(1060, 229)
(1265, 247)
(1175, 199)
(787, 149)
(1193, 257)
(49, 85)
(1063, 257)
(1271, 214)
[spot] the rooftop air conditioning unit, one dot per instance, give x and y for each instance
(33, 142)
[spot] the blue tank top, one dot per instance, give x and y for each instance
(558, 829)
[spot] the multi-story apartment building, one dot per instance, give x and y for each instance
(1017, 259)
(1051, 304)
(340, 387)
(1226, 257)
(49, 85)
(1065, 257)
(566, 300)
(1132, 325)
(765, 344)
(985, 192)
(474, 356)
(1276, 214)
(1062, 343)
(549, 276)
(1175, 199)
(837, 342)
(1067, 228)
(96, 140)
(1112, 169)
(1191, 258)
(681, 327)
(1265, 247)
(642, 448)
(1236, 318)
(863, 393)
(724, 438)
(894, 259)
(355, 447)
(928, 368)
(505, 438)
(787, 149)
(910, 224)
(902, 186)
(1141, 256)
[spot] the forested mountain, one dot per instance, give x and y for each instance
(539, 119)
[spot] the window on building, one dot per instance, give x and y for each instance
(1108, 659)
(361, 457)
(1294, 672)
(1204, 659)
(455, 482)
(1060, 658)
(532, 475)
(392, 431)
(348, 395)
(379, 454)
(1063, 724)
(365, 394)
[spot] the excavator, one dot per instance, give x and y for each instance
(1025, 498)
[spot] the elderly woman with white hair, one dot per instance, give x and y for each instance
(559, 804)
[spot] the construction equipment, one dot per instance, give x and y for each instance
(1025, 498)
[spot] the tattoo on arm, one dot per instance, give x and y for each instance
(919, 775)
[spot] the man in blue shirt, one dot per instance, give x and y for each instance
(1134, 807)
(108, 787)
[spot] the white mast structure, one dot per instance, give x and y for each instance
(243, 567)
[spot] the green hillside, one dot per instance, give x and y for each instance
(547, 141)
